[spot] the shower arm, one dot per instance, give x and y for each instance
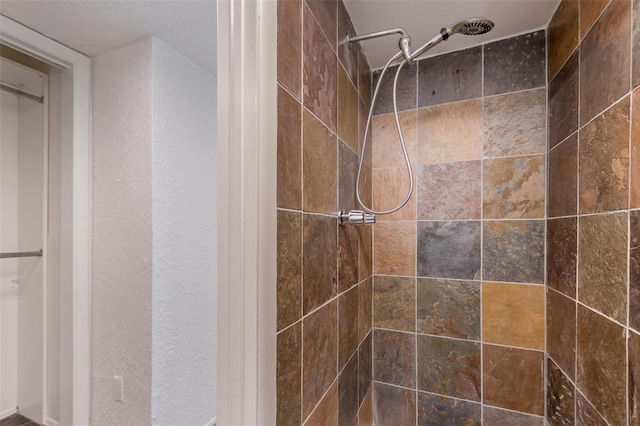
(404, 43)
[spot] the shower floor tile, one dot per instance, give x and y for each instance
(17, 420)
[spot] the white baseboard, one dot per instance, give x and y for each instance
(10, 411)
(211, 422)
(51, 422)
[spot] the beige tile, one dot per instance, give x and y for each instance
(387, 151)
(390, 188)
(395, 248)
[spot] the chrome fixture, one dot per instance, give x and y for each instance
(356, 217)
(21, 254)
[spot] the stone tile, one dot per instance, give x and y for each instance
(406, 94)
(395, 248)
(513, 251)
(348, 393)
(560, 397)
(326, 414)
(513, 314)
(440, 410)
(366, 179)
(602, 364)
(394, 358)
(590, 10)
(394, 406)
(514, 64)
(634, 378)
(450, 77)
(449, 249)
(390, 188)
(290, 45)
(326, 14)
(320, 349)
(347, 52)
(347, 332)
(319, 74)
(635, 149)
(561, 331)
(562, 253)
(365, 367)
(288, 378)
(320, 166)
(497, 417)
(289, 193)
(634, 270)
(586, 415)
(365, 415)
(449, 367)
(363, 115)
(319, 260)
(347, 110)
(365, 300)
(289, 292)
(365, 250)
(604, 61)
(347, 257)
(449, 308)
(394, 300)
(635, 78)
(513, 187)
(449, 191)
(602, 264)
(451, 132)
(563, 33)
(563, 179)
(386, 148)
(364, 79)
(515, 123)
(510, 373)
(563, 100)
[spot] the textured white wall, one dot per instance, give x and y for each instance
(184, 240)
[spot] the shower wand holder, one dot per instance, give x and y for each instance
(356, 217)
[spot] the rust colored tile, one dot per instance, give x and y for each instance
(394, 358)
(509, 374)
(290, 45)
(386, 148)
(366, 178)
(364, 79)
(602, 364)
(513, 187)
(449, 191)
(635, 78)
(586, 415)
(634, 378)
(365, 367)
(450, 132)
(449, 308)
(390, 188)
(320, 349)
(363, 114)
(635, 149)
(348, 393)
(562, 253)
(394, 300)
(563, 179)
(288, 380)
(602, 264)
(562, 34)
(449, 249)
(563, 101)
(326, 14)
(634, 270)
(365, 415)
(590, 10)
(561, 331)
(393, 405)
(395, 248)
(513, 314)
(347, 329)
(406, 93)
(289, 191)
(319, 167)
(441, 410)
(319, 260)
(449, 367)
(347, 110)
(347, 257)
(497, 417)
(365, 263)
(347, 171)
(515, 123)
(365, 316)
(319, 77)
(605, 61)
(560, 397)
(326, 414)
(289, 292)
(347, 52)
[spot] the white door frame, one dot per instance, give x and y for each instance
(76, 102)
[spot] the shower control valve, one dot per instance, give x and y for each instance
(356, 217)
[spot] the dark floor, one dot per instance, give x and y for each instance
(17, 420)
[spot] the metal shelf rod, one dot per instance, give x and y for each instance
(21, 254)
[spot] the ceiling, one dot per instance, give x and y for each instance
(423, 19)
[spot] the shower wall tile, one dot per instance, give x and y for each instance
(602, 264)
(561, 331)
(513, 251)
(563, 179)
(394, 301)
(560, 397)
(514, 64)
(365, 414)
(319, 77)
(513, 314)
(289, 55)
(602, 364)
(395, 248)
(439, 410)
(635, 78)
(394, 358)
(513, 187)
(347, 173)
(364, 79)
(365, 367)
(497, 417)
(449, 367)
(347, 257)
(449, 308)
(326, 15)
(586, 415)
(390, 187)
(563, 100)
(365, 300)
(635, 150)
(590, 10)
(319, 260)
(347, 333)
(634, 378)
(451, 132)
(562, 252)
(634, 270)
(288, 377)
(450, 77)
(366, 178)
(406, 95)
(347, 52)
(348, 393)
(363, 112)
(563, 34)
(289, 183)
(347, 110)
(449, 249)
(515, 123)
(393, 405)
(605, 61)
(319, 167)
(327, 411)
(365, 250)
(449, 191)
(387, 151)
(510, 373)
(289, 291)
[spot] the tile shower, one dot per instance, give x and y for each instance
(504, 291)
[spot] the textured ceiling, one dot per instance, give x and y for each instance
(423, 19)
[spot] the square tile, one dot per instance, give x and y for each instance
(390, 188)
(289, 259)
(347, 110)
(319, 260)
(289, 192)
(395, 248)
(563, 179)
(590, 10)
(497, 417)
(347, 257)
(560, 397)
(365, 250)
(561, 331)
(348, 393)
(326, 15)
(406, 93)
(290, 45)
(393, 405)
(563, 100)
(326, 413)
(347, 52)
(394, 300)
(562, 253)
(365, 300)
(563, 33)
(288, 378)
(440, 410)
(364, 79)
(634, 270)
(365, 367)
(365, 414)
(347, 329)
(386, 148)
(319, 167)
(394, 359)
(586, 414)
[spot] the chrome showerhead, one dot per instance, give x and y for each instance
(472, 26)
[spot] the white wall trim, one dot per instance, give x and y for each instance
(211, 422)
(51, 422)
(9, 412)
